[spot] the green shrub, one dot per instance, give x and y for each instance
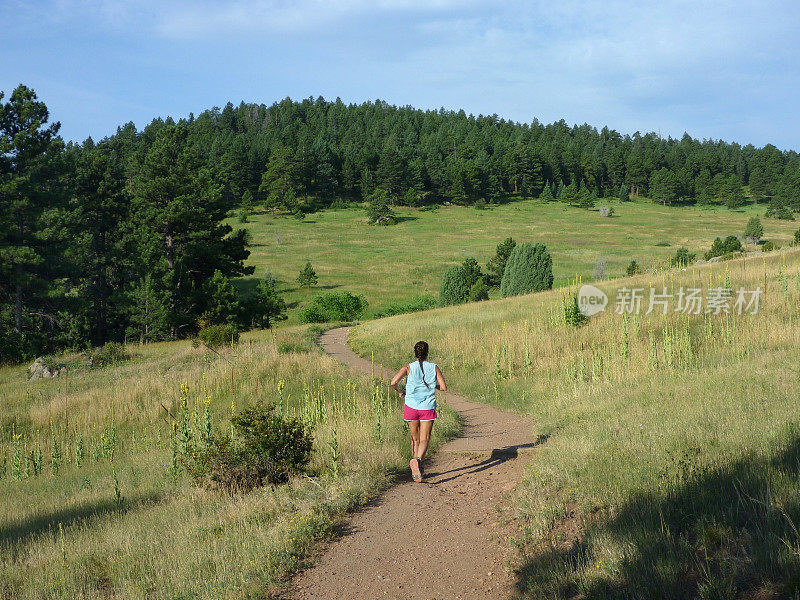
(797, 238)
(264, 432)
(215, 336)
(287, 347)
(778, 209)
(455, 286)
(333, 306)
(754, 230)
(529, 269)
(633, 268)
(458, 281)
(572, 313)
(413, 304)
(110, 353)
(480, 204)
(682, 258)
(265, 448)
(769, 246)
(479, 291)
(719, 247)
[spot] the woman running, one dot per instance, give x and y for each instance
(423, 379)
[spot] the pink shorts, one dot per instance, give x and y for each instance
(412, 414)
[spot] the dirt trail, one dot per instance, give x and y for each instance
(445, 538)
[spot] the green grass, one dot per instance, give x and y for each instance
(120, 522)
(390, 264)
(672, 462)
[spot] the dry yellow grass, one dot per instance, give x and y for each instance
(122, 524)
(672, 464)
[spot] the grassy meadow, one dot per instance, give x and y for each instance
(389, 264)
(672, 462)
(95, 503)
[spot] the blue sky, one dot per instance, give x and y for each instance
(721, 70)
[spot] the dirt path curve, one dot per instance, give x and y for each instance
(445, 538)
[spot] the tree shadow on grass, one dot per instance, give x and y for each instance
(15, 536)
(330, 286)
(733, 532)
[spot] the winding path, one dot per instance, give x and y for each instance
(445, 538)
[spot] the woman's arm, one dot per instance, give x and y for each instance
(396, 379)
(440, 383)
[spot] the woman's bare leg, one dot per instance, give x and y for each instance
(413, 427)
(423, 437)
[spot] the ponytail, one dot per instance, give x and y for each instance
(421, 353)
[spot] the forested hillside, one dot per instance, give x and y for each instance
(123, 239)
(290, 152)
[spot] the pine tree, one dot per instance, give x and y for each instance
(265, 306)
(97, 217)
(623, 193)
(663, 186)
(732, 192)
(472, 271)
(779, 209)
(479, 291)
(308, 276)
(547, 193)
(585, 198)
(529, 269)
(27, 151)
(149, 313)
(379, 212)
(178, 209)
(281, 181)
(754, 230)
(497, 264)
(390, 170)
(221, 301)
(246, 207)
(570, 194)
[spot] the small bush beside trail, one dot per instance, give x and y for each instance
(108, 354)
(721, 247)
(265, 448)
(333, 306)
(215, 336)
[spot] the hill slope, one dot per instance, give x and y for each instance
(671, 470)
(96, 503)
(389, 264)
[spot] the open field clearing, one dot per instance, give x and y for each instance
(389, 264)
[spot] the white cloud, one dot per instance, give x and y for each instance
(702, 66)
(193, 19)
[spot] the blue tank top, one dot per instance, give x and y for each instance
(418, 396)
